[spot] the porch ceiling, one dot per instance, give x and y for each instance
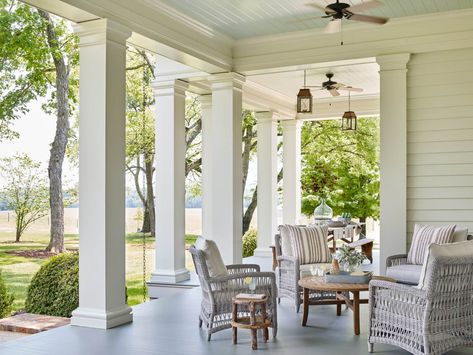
(249, 18)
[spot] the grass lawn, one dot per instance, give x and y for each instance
(18, 270)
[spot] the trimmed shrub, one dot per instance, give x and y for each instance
(6, 299)
(249, 242)
(54, 289)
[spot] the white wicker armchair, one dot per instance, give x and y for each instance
(436, 316)
(288, 275)
(217, 292)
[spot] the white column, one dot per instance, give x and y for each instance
(170, 182)
(267, 150)
(102, 176)
(291, 132)
(393, 155)
(207, 147)
(226, 195)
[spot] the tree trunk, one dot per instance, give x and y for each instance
(150, 194)
(17, 236)
(363, 226)
(58, 147)
(145, 227)
(247, 217)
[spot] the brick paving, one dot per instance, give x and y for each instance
(28, 323)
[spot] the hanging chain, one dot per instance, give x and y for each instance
(145, 190)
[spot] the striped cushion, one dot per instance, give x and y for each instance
(423, 237)
(309, 244)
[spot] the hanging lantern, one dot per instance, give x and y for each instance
(304, 99)
(349, 121)
(349, 118)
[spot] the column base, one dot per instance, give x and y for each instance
(263, 252)
(95, 318)
(170, 276)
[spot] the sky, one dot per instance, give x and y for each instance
(36, 130)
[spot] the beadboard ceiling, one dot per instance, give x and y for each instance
(248, 18)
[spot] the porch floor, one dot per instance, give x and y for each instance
(170, 326)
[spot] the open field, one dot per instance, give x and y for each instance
(18, 270)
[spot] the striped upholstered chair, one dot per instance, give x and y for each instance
(298, 249)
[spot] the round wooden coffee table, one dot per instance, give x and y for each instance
(317, 283)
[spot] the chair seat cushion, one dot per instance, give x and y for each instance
(213, 259)
(305, 269)
(407, 273)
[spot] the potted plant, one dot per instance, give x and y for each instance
(350, 258)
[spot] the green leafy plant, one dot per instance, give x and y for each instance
(350, 257)
(6, 299)
(249, 242)
(54, 289)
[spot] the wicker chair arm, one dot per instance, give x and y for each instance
(256, 276)
(399, 259)
(242, 268)
(396, 288)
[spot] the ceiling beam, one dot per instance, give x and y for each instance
(154, 28)
(415, 34)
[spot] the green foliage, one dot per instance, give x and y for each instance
(6, 299)
(25, 190)
(54, 289)
(26, 65)
(249, 242)
(342, 167)
(349, 256)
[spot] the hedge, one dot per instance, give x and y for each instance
(54, 289)
(6, 299)
(249, 242)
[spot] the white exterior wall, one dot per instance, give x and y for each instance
(440, 139)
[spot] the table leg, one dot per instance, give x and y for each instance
(234, 317)
(356, 311)
(264, 315)
(339, 305)
(254, 341)
(306, 306)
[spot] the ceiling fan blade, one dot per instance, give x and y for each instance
(333, 26)
(334, 92)
(365, 6)
(350, 88)
(314, 86)
(366, 18)
(319, 7)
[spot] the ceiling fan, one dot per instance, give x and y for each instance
(333, 87)
(340, 10)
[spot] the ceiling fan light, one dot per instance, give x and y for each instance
(349, 121)
(304, 101)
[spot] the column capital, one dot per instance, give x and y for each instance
(226, 80)
(266, 117)
(393, 61)
(169, 87)
(205, 101)
(291, 123)
(98, 31)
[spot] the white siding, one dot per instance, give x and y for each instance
(440, 139)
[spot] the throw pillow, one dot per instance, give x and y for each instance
(309, 244)
(214, 260)
(423, 237)
(452, 250)
(286, 245)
